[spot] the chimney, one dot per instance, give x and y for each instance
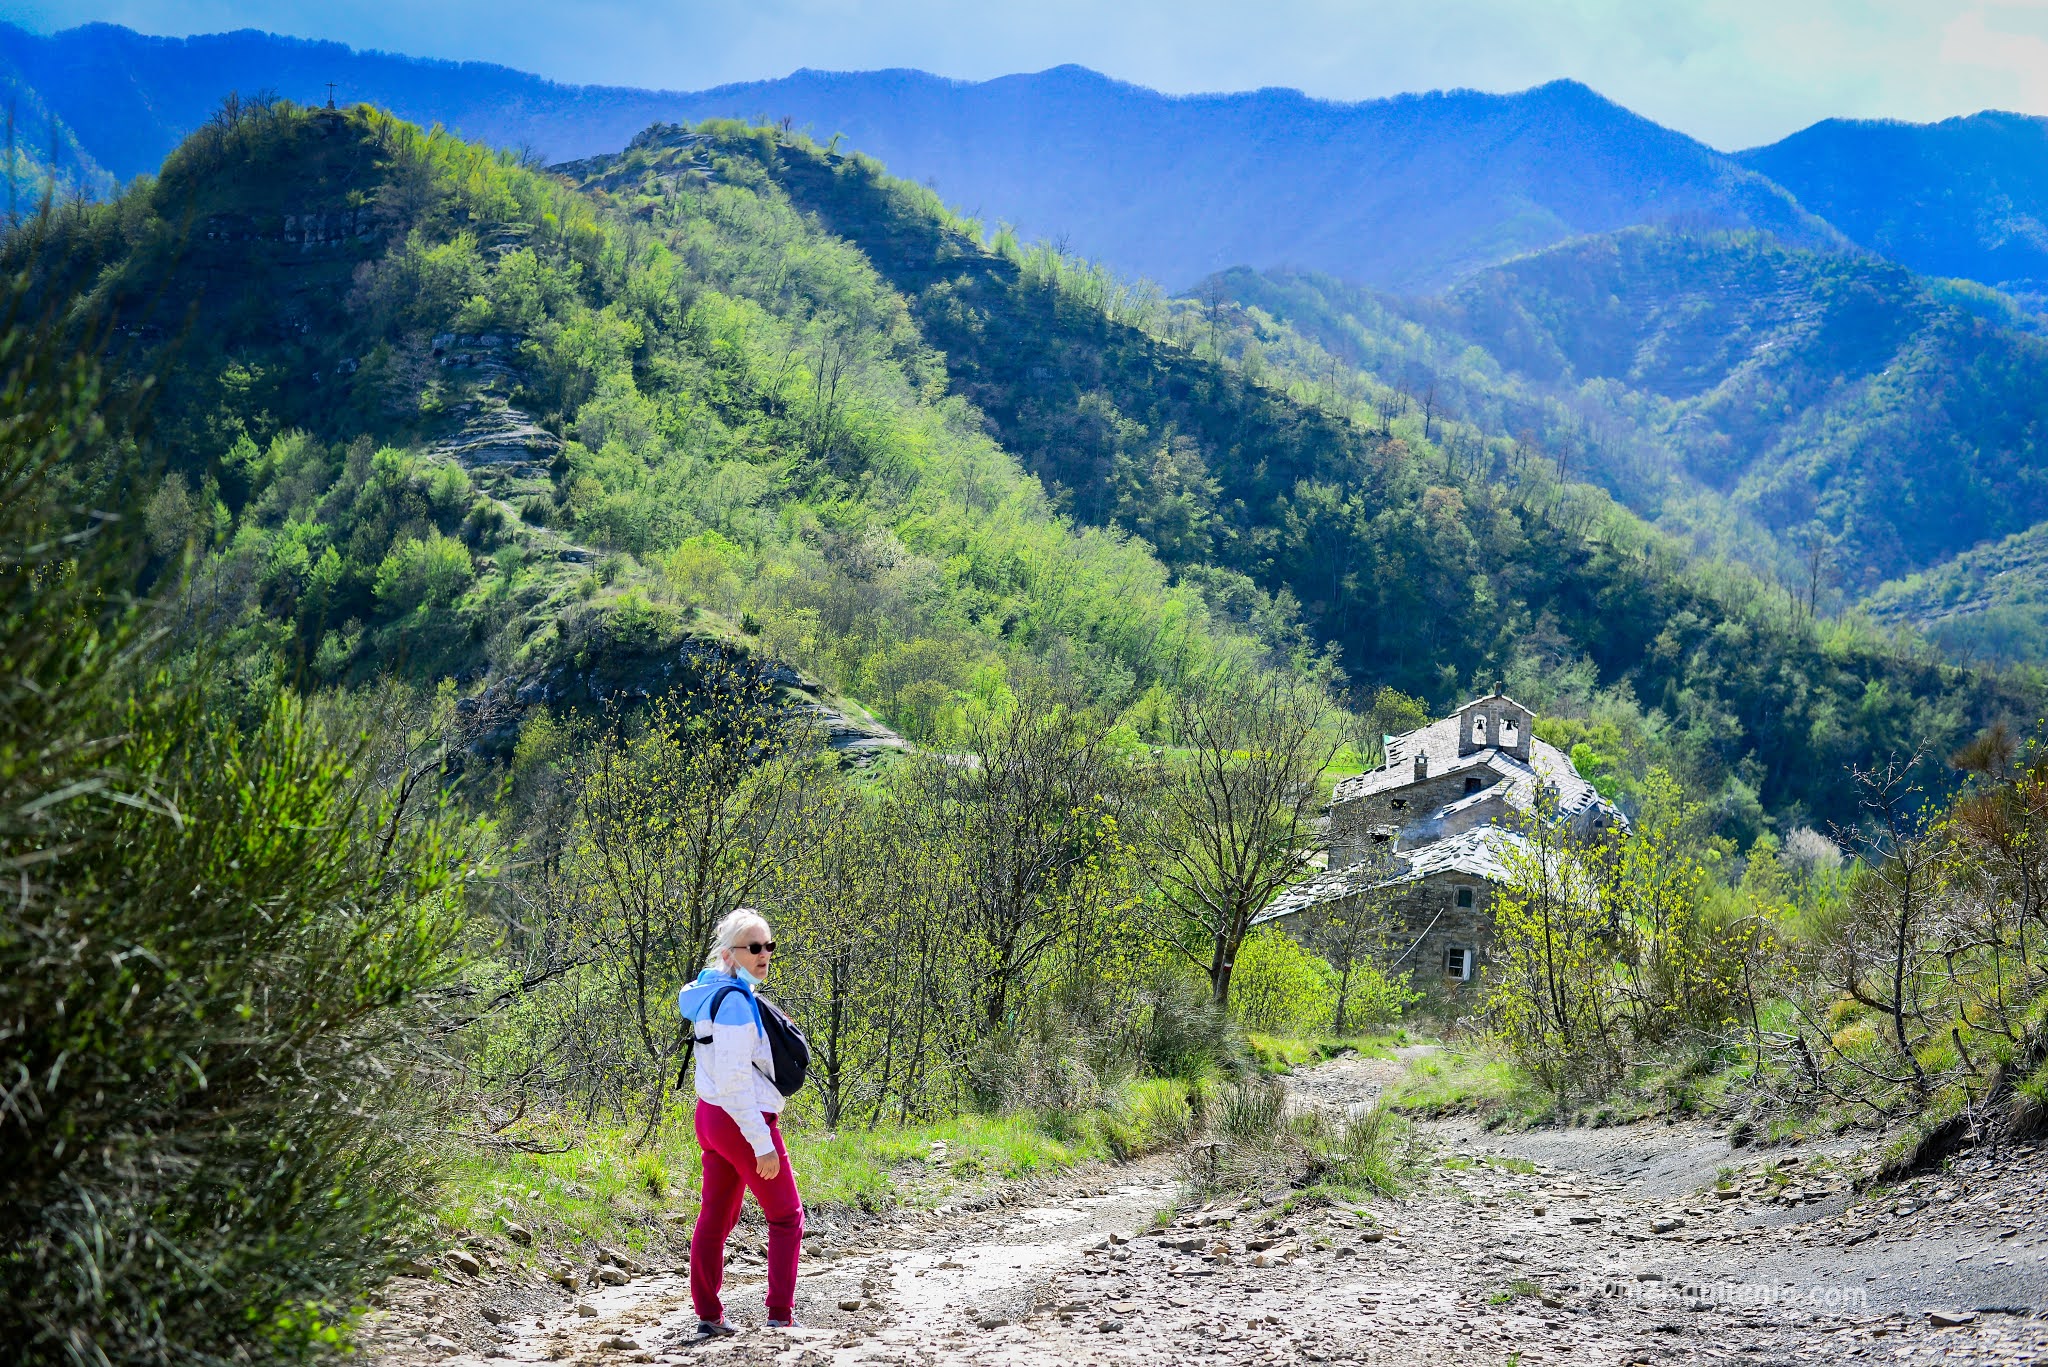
(1422, 766)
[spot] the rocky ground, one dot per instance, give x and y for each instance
(1644, 1244)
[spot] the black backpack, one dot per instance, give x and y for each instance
(787, 1047)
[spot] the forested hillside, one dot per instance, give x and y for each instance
(1426, 571)
(1964, 197)
(436, 411)
(1990, 603)
(424, 409)
(1857, 412)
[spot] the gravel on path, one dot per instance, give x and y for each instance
(1648, 1244)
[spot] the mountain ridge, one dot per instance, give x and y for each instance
(1405, 192)
(1966, 196)
(732, 388)
(1819, 395)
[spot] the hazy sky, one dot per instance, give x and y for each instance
(1733, 72)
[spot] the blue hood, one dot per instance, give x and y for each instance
(694, 1000)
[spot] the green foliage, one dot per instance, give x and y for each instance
(1549, 997)
(423, 574)
(211, 962)
(1281, 988)
(1257, 1142)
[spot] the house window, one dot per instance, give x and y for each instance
(1379, 837)
(1458, 963)
(1464, 897)
(1472, 783)
(1399, 804)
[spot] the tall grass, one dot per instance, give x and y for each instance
(1258, 1142)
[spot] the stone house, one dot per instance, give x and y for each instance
(1438, 827)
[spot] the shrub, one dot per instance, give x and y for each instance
(211, 942)
(1185, 1034)
(429, 573)
(1279, 987)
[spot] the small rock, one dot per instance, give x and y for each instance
(991, 1322)
(1950, 1319)
(436, 1341)
(1665, 1224)
(518, 1233)
(607, 1254)
(462, 1260)
(850, 1303)
(491, 1313)
(611, 1276)
(1111, 1326)
(585, 1309)
(1585, 1219)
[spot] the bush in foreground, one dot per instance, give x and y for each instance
(209, 946)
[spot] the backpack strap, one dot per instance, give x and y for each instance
(711, 1018)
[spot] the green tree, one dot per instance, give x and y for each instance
(1550, 983)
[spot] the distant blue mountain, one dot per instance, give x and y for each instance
(1407, 194)
(1963, 197)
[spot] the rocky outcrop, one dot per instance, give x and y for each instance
(609, 675)
(492, 433)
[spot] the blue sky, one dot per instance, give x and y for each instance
(1733, 72)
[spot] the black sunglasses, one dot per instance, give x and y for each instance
(756, 946)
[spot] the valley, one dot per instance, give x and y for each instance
(1402, 730)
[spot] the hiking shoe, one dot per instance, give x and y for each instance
(789, 1323)
(714, 1329)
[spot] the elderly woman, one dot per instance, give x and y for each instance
(738, 1129)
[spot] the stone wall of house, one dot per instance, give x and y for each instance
(1434, 924)
(1428, 924)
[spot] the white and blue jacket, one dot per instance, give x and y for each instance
(736, 1070)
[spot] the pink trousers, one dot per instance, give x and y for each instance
(728, 1175)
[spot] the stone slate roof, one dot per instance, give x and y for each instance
(1439, 742)
(1484, 853)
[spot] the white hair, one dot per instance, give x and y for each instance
(731, 930)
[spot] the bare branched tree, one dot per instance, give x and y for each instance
(686, 817)
(1234, 809)
(1876, 950)
(1023, 810)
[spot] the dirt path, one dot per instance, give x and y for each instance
(1594, 1246)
